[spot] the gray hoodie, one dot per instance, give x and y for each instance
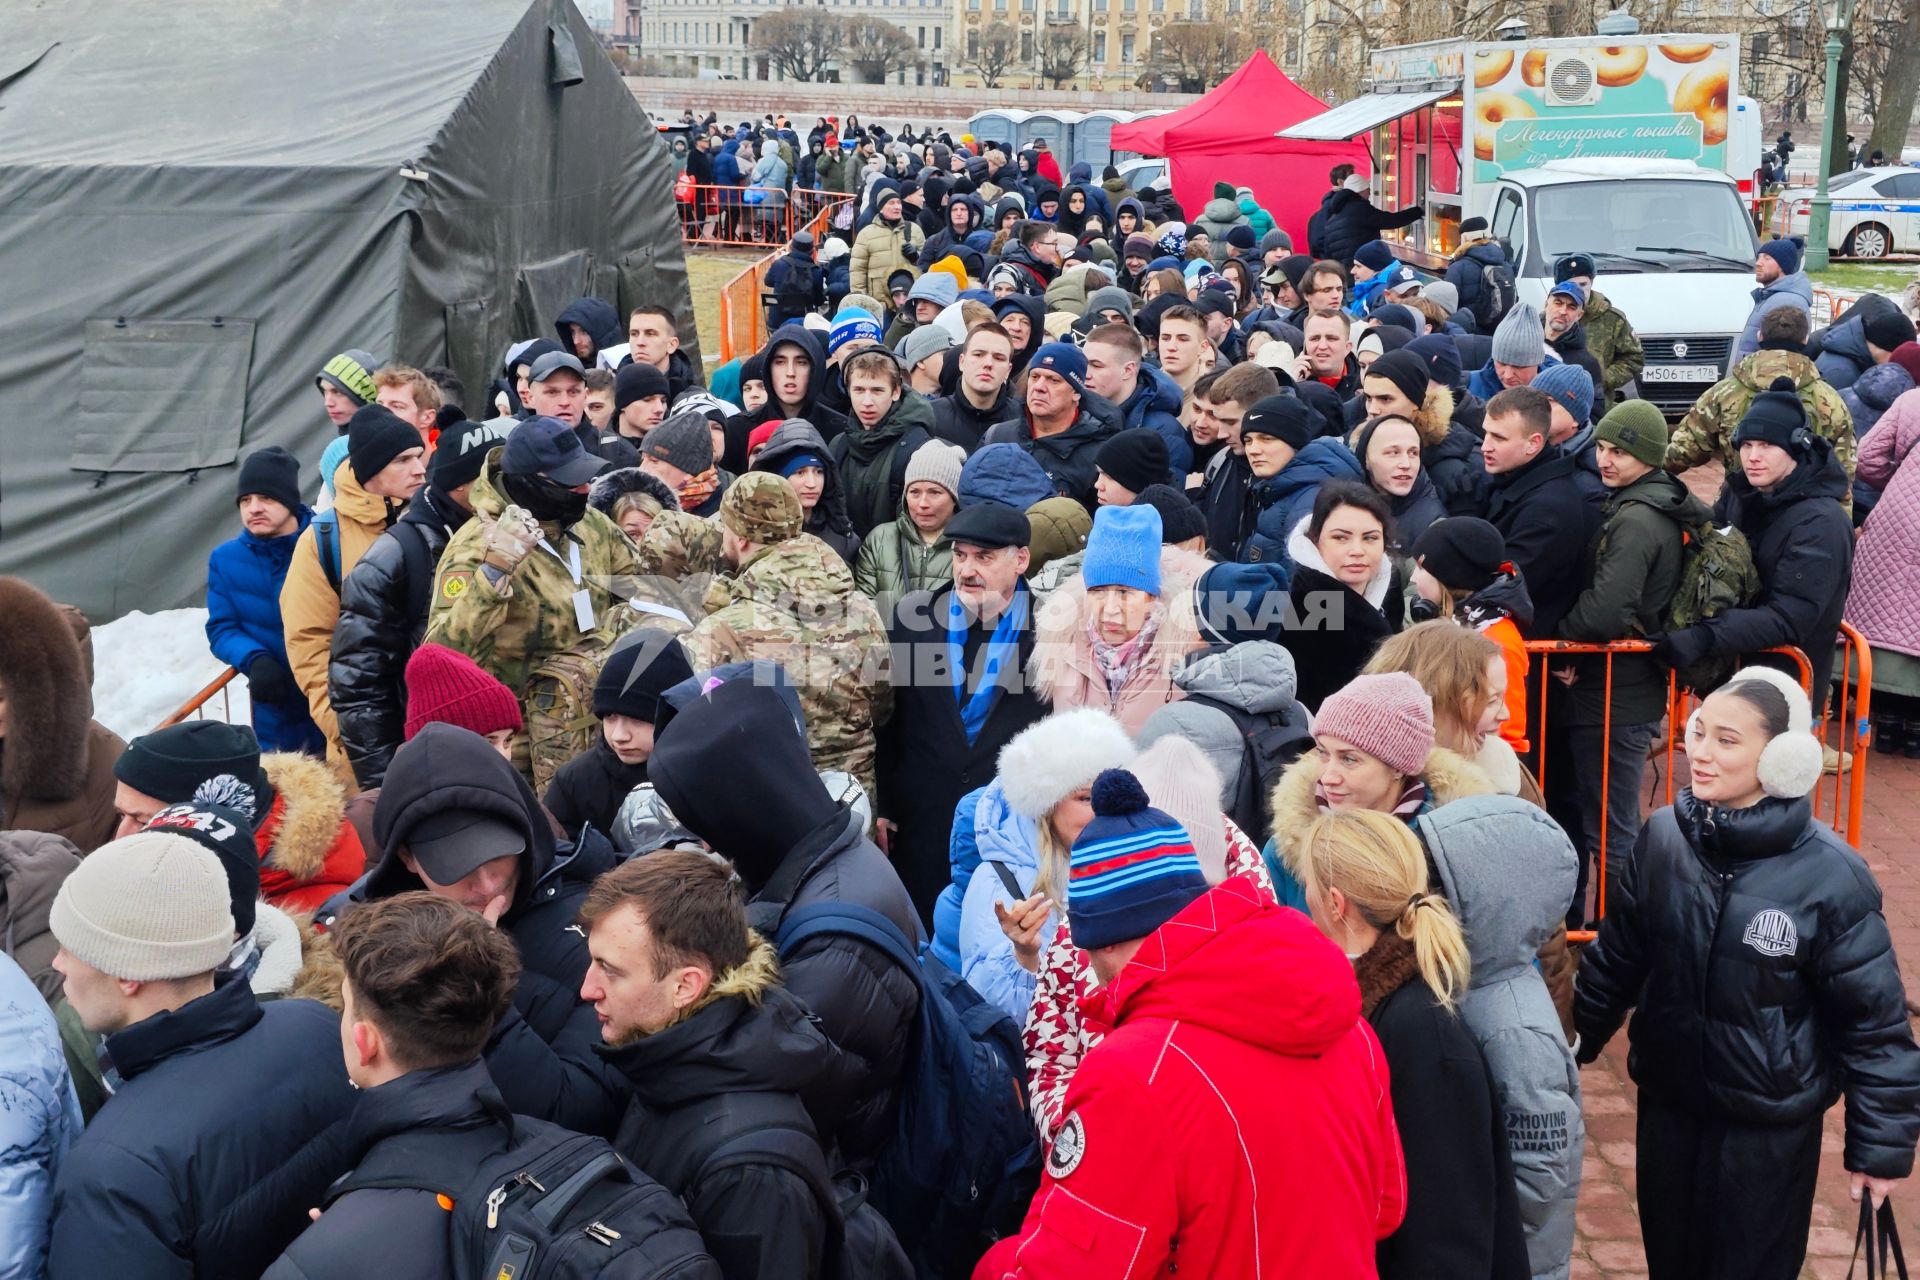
(1508, 870)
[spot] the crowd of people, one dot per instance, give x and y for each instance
(1031, 773)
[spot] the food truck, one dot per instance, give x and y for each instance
(1632, 148)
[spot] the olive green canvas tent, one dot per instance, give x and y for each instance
(202, 201)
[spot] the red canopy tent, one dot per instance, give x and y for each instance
(1228, 136)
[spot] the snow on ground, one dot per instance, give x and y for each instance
(146, 665)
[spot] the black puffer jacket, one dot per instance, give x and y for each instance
(740, 1064)
(1351, 221)
(229, 1126)
(1751, 946)
(1066, 457)
(794, 846)
(541, 1054)
(587, 791)
(376, 634)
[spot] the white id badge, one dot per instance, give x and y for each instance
(582, 610)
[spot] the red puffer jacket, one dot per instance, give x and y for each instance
(1232, 1123)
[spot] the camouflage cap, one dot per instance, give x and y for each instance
(762, 507)
(678, 545)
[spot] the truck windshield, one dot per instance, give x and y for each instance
(1644, 225)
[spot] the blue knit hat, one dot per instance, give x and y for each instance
(1124, 549)
(1785, 252)
(1064, 359)
(1569, 386)
(1133, 867)
(851, 324)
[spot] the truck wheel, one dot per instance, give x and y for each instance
(1868, 240)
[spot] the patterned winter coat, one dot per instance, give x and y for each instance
(1883, 601)
(794, 603)
(1707, 430)
(1611, 341)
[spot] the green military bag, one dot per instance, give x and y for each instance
(1717, 573)
(560, 719)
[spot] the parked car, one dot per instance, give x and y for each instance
(1876, 211)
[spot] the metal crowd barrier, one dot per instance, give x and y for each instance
(743, 304)
(1839, 802)
(748, 216)
(195, 707)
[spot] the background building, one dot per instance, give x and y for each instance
(714, 39)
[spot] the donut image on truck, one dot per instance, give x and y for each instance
(1630, 147)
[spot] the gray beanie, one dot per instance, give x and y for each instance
(1275, 239)
(151, 907)
(1111, 298)
(939, 462)
(684, 441)
(1442, 294)
(925, 340)
(1521, 339)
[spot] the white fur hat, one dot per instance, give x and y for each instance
(1790, 764)
(1052, 759)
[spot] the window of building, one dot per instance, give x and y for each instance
(1159, 6)
(1126, 48)
(1099, 46)
(1197, 9)
(936, 38)
(1026, 46)
(923, 37)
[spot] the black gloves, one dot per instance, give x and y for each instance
(269, 681)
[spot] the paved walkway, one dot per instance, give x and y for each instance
(1608, 1243)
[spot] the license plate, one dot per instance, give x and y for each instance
(1680, 373)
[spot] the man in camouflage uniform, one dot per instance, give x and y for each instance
(1707, 430)
(792, 601)
(1610, 338)
(536, 572)
(680, 558)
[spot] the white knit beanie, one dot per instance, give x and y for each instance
(1051, 759)
(1182, 782)
(938, 462)
(147, 908)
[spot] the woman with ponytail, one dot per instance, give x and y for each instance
(1365, 877)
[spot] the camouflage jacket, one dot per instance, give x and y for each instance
(1611, 341)
(1707, 430)
(794, 603)
(508, 632)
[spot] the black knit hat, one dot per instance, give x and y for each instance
(170, 764)
(1285, 418)
(375, 437)
(1179, 518)
(1776, 417)
(646, 664)
(220, 818)
(1462, 553)
(1406, 370)
(637, 380)
(1135, 458)
(271, 472)
(463, 450)
(1887, 329)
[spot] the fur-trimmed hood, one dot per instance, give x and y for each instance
(310, 805)
(1435, 416)
(1449, 776)
(43, 758)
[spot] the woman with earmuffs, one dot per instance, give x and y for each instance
(1749, 940)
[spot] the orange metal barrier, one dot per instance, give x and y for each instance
(195, 707)
(743, 303)
(749, 216)
(1848, 789)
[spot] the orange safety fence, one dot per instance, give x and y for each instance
(1841, 803)
(719, 216)
(743, 304)
(195, 707)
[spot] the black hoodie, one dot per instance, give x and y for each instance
(542, 1052)
(828, 423)
(598, 318)
(733, 767)
(828, 521)
(1034, 308)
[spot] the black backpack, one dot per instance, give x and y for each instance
(1497, 292)
(547, 1204)
(798, 289)
(1274, 740)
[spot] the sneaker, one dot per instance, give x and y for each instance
(1836, 760)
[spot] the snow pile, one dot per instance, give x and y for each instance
(146, 665)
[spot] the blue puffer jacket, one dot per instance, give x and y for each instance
(986, 953)
(1788, 291)
(1283, 500)
(963, 856)
(1155, 403)
(39, 1120)
(1843, 354)
(1869, 397)
(244, 575)
(1484, 384)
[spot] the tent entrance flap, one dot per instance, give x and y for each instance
(1362, 115)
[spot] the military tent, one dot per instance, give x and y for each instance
(202, 201)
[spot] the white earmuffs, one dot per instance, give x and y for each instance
(1790, 764)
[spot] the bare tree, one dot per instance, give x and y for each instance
(876, 49)
(1063, 52)
(1198, 55)
(999, 43)
(799, 41)
(1899, 85)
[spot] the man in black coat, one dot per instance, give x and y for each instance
(981, 398)
(949, 724)
(589, 789)
(733, 767)
(1786, 500)
(796, 374)
(227, 1119)
(1545, 514)
(719, 1054)
(1352, 220)
(1064, 424)
(385, 600)
(455, 818)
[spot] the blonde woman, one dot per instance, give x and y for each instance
(1366, 885)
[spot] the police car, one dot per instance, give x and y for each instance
(1876, 211)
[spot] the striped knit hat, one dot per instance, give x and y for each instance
(1133, 867)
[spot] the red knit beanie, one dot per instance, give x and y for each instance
(445, 686)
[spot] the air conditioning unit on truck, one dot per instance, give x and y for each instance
(1632, 148)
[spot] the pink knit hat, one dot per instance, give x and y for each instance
(1388, 716)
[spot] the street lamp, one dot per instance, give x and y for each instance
(1839, 16)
